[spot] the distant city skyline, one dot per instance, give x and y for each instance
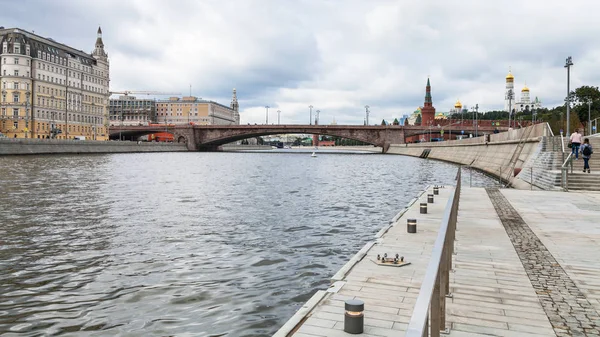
(376, 53)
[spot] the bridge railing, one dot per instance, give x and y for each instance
(429, 315)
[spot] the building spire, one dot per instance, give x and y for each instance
(99, 50)
(428, 93)
(234, 101)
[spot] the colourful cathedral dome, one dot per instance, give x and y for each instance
(525, 89)
(458, 104)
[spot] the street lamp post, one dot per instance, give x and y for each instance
(367, 114)
(121, 121)
(310, 118)
(510, 97)
(267, 117)
(568, 64)
(476, 121)
(278, 117)
(589, 102)
(317, 117)
(27, 95)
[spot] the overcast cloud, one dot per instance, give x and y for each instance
(336, 55)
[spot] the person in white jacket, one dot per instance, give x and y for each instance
(575, 143)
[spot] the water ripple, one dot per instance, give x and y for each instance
(186, 244)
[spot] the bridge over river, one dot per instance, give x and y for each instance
(211, 137)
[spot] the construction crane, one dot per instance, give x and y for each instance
(128, 92)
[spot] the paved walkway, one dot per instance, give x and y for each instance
(568, 225)
(527, 265)
(389, 293)
(492, 294)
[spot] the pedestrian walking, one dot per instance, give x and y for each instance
(586, 154)
(575, 143)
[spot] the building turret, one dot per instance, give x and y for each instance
(234, 101)
(235, 106)
(99, 52)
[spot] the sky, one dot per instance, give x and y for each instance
(336, 55)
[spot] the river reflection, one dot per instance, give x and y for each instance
(187, 244)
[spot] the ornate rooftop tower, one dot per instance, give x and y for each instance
(428, 111)
(99, 52)
(235, 106)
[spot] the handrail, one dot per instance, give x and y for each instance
(431, 301)
(564, 172)
(562, 142)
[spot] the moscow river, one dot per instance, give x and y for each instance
(187, 244)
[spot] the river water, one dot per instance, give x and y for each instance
(187, 244)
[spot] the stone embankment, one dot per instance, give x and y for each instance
(502, 155)
(20, 146)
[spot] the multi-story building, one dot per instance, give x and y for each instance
(51, 90)
(193, 110)
(127, 110)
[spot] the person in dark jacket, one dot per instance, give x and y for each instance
(586, 153)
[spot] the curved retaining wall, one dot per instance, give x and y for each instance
(491, 156)
(21, 146)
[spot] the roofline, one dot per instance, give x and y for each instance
(47, 41)
(195, 101)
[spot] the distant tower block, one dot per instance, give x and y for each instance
(428, 111)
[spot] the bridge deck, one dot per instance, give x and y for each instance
(527, 264)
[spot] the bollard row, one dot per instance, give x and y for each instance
(411, 224)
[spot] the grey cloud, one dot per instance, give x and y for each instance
(339, 55)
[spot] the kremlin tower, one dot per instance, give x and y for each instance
(428, 111)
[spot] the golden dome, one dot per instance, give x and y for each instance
(525, 89)
(458, 104)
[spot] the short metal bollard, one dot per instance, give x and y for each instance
(423, 208)
(411, 225)
(354, 317)
(436, 190)
(430, 198)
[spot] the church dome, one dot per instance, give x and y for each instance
(458, 104)
(525, 89)
(510, 77)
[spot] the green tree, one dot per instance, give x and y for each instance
(581, 107)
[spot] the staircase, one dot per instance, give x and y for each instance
(542, 170)
(546, 165)
(579, 181)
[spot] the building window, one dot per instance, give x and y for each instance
(16, 72)
(16, 125)
(16, 98)
(3, 111)
(16, 60)
(16, 85)
(15, 113)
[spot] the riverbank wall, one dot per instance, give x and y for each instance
(498, 155)
(23, 146)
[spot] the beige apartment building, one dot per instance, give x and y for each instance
(51, 90)
(192, 110)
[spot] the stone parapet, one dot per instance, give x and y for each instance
(21, 146)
